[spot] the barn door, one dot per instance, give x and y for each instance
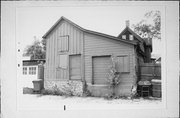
(100, 69)
(75, 67)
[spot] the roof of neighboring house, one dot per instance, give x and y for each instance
(87, 31)
(132, 32)
(32, 62)
(147, 41)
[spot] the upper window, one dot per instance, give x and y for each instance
(32, 70)
(123, 64)
(131, 37)
(63, 43)
(24, 70)
(123, 36)
(63, 61)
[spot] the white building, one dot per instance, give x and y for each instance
(30, 71)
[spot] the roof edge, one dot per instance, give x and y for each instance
(85, 30)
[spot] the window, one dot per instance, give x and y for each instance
(63, 43)
(123, 36)
(63, 61)
(24, 70)
(32, 70)
(123, 64)
(131, 37)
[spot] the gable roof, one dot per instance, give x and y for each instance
(132, 32)
(87, 31)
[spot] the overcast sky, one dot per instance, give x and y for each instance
(36, 21)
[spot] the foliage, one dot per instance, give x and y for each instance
(86, 92)
(150, 26)
(37, 50)
(113, 74)
(67, 89)
(27, 90)
(113, 77)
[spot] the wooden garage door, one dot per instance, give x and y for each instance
(75, 67)
(100, 69)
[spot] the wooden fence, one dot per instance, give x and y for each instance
(149, 71)
(40, 71)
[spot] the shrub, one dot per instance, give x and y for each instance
(109, 96)
(27, 90)
(113, 75)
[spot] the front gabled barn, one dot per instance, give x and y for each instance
(76, 56)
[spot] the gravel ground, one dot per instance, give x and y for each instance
(29, 101)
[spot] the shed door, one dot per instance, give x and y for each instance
(75, 67)
(100, 69)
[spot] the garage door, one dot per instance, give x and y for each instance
(75, 67)
(100, 69)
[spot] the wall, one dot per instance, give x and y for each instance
(58, 77)
(96, 46)
(52, 54)
(27, 79)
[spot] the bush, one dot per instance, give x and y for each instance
(27, 90)
(109, 96)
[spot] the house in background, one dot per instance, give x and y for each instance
(30, 71)
(79, 56)
(145, 44)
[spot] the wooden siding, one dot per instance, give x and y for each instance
(75, 36)
(99, 46)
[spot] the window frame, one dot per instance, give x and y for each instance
(25, 70)
(32, 70)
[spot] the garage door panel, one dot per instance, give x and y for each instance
(100, 69)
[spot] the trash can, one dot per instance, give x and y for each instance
(156, 88)
(144, 88)
(38, 85)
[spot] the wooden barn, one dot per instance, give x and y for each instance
(75, 56)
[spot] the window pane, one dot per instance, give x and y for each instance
(123, 36)
(131, 37)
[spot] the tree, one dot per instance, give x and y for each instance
(150, 26)
(36, 50)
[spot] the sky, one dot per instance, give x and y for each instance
(36, 21)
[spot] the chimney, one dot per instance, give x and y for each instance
(127, 23)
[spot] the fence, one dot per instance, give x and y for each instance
(149, 71)
(41, 72)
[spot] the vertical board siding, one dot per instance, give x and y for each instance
(99, 46)
(52, 58)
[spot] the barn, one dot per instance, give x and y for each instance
(76, 57)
